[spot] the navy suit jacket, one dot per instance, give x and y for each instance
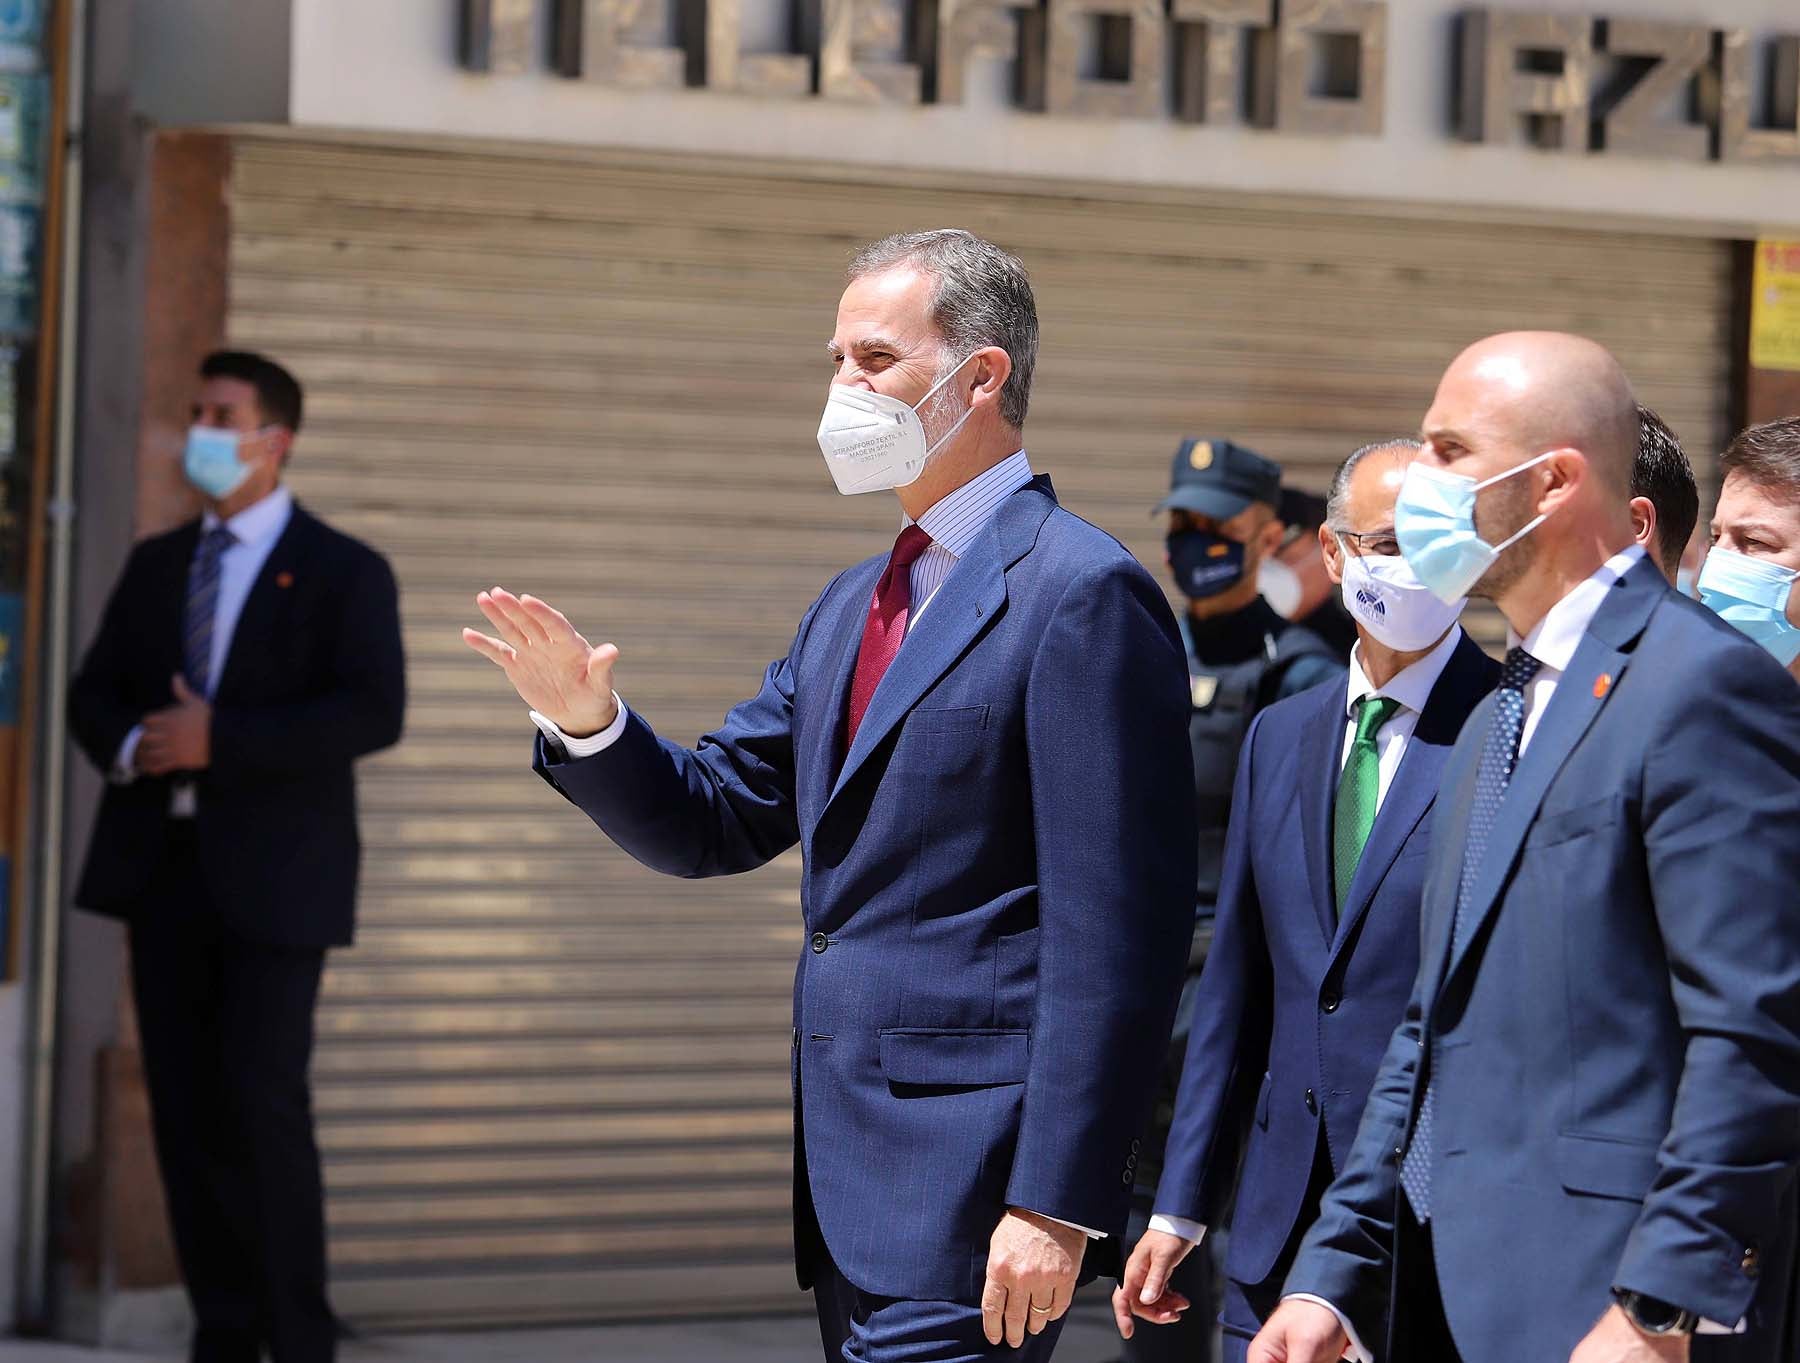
(315, 679)
(1297, 1002)
(1617, 1039)
(997, 887)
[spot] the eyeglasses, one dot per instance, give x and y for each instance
(1379, 543)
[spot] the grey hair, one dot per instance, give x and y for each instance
(983, 299)
(1335, 517)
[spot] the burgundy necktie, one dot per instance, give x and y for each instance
(885, 627)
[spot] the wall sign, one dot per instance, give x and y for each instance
(1571, 84)
(1775, 307)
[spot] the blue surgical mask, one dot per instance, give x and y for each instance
(1752, 594)
(1684, 582)
(1204, 564)
(211, 461)
(1434, 521)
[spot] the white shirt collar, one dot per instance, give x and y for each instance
(955, 521)
(1411, 685)
(1554, 639)
(257, 524)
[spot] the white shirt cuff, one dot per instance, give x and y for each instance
(1360, 1354)
(124, 767)
(593, 743)
(1712, 1327)
(1087, 1231)
(1181, 1227)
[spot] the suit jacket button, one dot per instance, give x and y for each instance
(1312, 1103)
(819, 943)
(1752, 1262)
(1125, 1177)
(1136, 1146)
(1330, 1003)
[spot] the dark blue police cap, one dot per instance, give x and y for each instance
(1217, 478)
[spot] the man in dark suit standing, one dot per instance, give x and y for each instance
(1665, 500)
(978, 743)
(1582, 1138)
(245, 661)
(1317, 939)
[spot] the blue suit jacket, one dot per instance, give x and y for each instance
(998, 889)
(1297, 1002)
(1617, 1042)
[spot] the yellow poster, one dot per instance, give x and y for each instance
(1775, 306)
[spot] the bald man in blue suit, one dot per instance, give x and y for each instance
(1583, 1138)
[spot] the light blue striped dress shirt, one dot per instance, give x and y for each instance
(956, 522)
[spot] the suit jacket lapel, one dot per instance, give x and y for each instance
(171, 596)
(262, 607)
(839, 644)
(1465, 679)
(1321, 758)
(1580, 696)
(1437, 906)
(964, 607)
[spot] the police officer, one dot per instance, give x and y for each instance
(1224, 525)
(1294, 580)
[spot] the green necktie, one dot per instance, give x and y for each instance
(1358, 793)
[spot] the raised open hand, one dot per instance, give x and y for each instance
(555, 671)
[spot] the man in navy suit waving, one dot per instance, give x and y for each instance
(1317, 938)
(1582, 1138)
(979, 743)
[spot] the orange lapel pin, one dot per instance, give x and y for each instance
(1602, 684)
(286, 580)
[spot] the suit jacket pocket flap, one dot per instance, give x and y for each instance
(953, 1056)
(1606, 1167)
(1574, 821)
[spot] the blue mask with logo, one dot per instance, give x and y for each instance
(1434, 521)
(211, 462)
(1752, 595)
(1204, 564)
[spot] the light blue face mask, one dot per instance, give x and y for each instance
(1752, 595)
(211, 461)
(1434, 522)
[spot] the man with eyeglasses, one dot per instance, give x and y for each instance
(1317, 939)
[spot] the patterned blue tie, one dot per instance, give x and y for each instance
(202, 600)
(1499, 755)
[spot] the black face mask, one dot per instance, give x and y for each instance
(1205, 564)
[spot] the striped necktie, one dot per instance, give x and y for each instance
(202, 602)
(1499, 755)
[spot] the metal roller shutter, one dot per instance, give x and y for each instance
(552, 1085)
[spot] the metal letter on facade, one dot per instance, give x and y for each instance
(1635, 125)
(1134, 47)
(1209, 67)
(850, 33)
(952, 31)
(496, 36)
(1497, 95)
(715, 31)
(1739, 138)
(1284, 100)
(618, 42)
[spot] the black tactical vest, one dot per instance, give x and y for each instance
(1225, 699)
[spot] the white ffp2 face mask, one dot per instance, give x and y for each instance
(1280, 587)
(872, 442)
(1385, 597)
